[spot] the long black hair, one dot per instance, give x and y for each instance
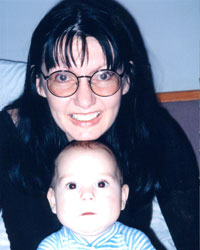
(132, 135)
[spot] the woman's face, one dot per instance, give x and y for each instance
(84, 115)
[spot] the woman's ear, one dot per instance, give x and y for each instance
(126, 86)
(52, 200)
(124, 195)
(126, 80)
(39, 87)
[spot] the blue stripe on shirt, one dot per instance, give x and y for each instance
(118, 236)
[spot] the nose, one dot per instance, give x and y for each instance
(87, 194)
(84, 97)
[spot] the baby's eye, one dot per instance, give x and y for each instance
(102, 184)
(71, 185)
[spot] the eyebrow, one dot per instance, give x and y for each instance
(61, 178)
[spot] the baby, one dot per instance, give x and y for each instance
(87, 193)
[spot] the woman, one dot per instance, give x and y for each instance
(88, 78)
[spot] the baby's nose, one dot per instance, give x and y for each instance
(88, 194)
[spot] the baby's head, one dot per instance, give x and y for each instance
(87, 191)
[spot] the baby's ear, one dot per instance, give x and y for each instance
(124, 195)
(52, 200)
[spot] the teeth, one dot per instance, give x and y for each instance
(87, 117)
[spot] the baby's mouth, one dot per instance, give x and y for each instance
(88, 213)
(85, 117)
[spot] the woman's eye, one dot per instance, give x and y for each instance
(105, 76)
(102, 184)
(61, 77)
(71, 186)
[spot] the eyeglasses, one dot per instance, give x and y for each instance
(64, 83)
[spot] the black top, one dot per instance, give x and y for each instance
(28, 218)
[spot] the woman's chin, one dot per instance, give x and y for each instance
(86, 136)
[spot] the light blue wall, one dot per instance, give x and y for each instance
(171, 30)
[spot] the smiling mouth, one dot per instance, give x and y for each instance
(85, 117)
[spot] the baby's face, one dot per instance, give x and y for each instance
(88, 196)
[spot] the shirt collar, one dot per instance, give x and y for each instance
(102, 239)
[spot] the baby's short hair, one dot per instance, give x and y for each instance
(90, 145)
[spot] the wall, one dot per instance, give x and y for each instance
(171, 30)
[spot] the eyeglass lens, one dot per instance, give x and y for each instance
(66, 83)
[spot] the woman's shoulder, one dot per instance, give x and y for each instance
(179, 164)
(172, 137)
(9, 117)
(8, 122)
(8, 134)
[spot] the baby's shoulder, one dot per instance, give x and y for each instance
(128, 231)
(134, 238)
(53, 241)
